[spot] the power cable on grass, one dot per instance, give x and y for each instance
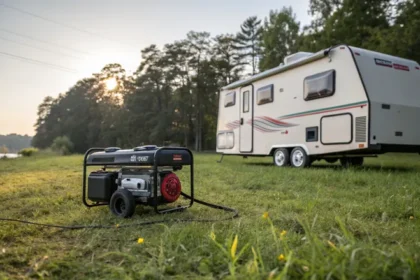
(77, 227)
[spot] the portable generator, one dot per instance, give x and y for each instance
(143, 175)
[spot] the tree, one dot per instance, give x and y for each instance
(88, 113)
(402, 38)
(62, 145)
(226, 59)
(280, 38)
(153, 96)
(178, 56)
(321, 10)
(15, 142)
(248, 41)
(357, 22)
(199, 47)
(44, 111)
(354, 22)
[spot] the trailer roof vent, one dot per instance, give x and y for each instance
(296, 57)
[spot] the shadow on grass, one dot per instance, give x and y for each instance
(338, 167)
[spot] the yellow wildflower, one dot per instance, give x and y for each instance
(282, 234)
(331, 244)
(212, 236)
(140, 240)
(281, 257)
(117, 225)
(411, 217)
(265, 215)
(234, 246)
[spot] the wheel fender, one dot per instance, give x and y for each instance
(274, 147)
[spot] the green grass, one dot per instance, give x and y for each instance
(340, 224)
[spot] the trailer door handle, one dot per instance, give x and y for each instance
(242, 121)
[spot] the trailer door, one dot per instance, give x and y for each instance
(246, 119)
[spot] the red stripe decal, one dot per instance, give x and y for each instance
(273, 120)
(401, 67)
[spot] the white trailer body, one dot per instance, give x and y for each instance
(339, 102)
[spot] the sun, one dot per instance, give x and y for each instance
(111, 84)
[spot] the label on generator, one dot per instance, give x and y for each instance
(177, 157)
(142, 158)
(139, 158)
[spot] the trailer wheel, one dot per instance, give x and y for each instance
(299, 158)
(281, 157)
(122, 203)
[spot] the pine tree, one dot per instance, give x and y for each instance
(280, 37)
(248, 42)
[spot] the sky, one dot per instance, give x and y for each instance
(105, 31)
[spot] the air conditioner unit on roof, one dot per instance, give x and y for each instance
(296, 56)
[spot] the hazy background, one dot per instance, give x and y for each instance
(120, 29)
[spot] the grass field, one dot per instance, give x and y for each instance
(317, 223)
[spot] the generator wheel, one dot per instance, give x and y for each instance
(299, 158)
(122, 203)
(281, 157)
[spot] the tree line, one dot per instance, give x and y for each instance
(173, 95)
(13, 143)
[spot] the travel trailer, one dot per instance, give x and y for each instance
(342, 103)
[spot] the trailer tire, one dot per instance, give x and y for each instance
(281, 157)
(122, 203)
(299, 158)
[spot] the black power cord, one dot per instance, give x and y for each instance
(75, 227)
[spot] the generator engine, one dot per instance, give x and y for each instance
(135, 177)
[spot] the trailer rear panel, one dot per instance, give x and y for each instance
(393, 89)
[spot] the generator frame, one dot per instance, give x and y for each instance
(156, 165)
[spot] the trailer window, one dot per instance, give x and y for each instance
(225, 140)
(319, 85)
(230, 99)
(265, 95)
(245, 98)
